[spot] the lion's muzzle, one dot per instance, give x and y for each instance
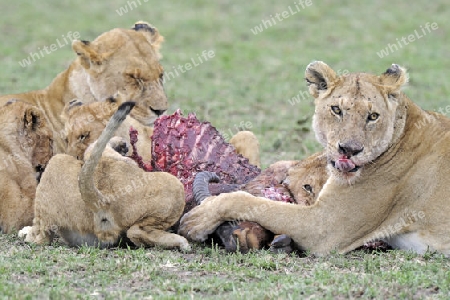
(344, 164)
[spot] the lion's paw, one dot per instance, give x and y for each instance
(184, 246)
(24, 232)
(197, 224)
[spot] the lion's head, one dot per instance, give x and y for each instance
(307, 178)
(357, 116)
(85, 122)
(125, 60)
(26, 135)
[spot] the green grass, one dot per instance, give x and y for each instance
(59, 272)
(249, 81)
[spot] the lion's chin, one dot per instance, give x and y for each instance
(146, 121)
(345, 177)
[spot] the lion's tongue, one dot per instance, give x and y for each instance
(344, 165)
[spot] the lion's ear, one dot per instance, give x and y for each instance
(32, 119)
(89, 58)
(319, 77)
(68, 107)
(150, 32)
(394, 79)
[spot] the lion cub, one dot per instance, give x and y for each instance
(84, 122)
(105, 199)
(25, 149)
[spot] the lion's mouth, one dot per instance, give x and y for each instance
(344, 164)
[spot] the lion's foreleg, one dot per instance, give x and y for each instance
(320, 228)
(35, 234)
(40, 232)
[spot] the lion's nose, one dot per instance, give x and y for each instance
(157, 112)
(350, 148)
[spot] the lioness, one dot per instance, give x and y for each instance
(125, 60)
(389, 166)
(26, 148)
(106, 198)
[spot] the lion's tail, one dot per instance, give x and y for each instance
(89, 193)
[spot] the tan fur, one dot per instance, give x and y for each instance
(125, 201)
(25, 149)
(85, 122)
(306, 178)
(400, 193)
(125, 60)
(247, 145)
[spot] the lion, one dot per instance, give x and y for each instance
(388, 165)
(26, 147)
(85, 122)
(125, 60)
(303, 179)
(106, 199)
(306, 178)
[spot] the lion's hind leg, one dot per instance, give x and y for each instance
(142, 235)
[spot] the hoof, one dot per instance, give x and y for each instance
(225, 234)
(281, 244)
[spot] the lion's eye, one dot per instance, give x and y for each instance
(308, 188)
(84, 136)
(373, 116)
(336, 110)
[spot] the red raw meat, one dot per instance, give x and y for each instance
(135, 155)
(184, 146)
